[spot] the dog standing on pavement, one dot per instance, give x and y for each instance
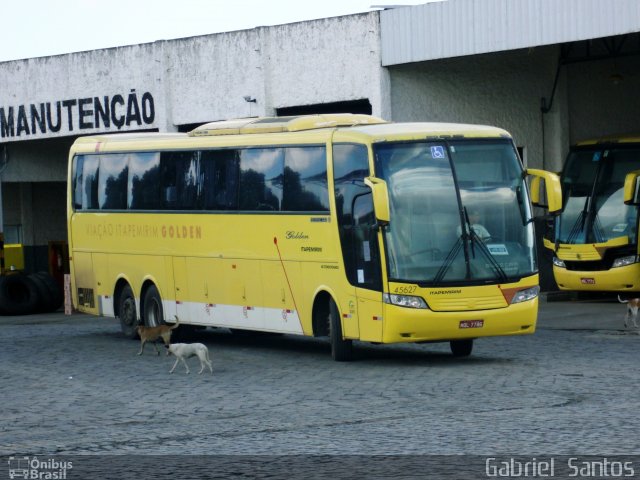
(186, 350)
(632, 311)
(151, 334)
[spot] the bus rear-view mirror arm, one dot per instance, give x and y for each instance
(632, 188)
(552, 190)
(380, 198)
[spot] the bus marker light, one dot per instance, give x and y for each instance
(471, 323)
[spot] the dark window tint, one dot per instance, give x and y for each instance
(261, 179)
(77, 181)
(181, 181)
(305, 179)
(112, 182)
(220, 170)
(90, 182)
(144, 181)
(350, 167)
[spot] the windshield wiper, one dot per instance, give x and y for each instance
(453, 253)
(579, 224)
(475, 239)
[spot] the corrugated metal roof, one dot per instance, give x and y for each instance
(454, 28)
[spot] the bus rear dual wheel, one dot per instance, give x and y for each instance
(128, 313)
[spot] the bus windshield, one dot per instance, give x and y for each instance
(460, 212)
(593, 188)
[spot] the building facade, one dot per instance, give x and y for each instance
(549, 72)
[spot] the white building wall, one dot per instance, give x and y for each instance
(208, 76)
(502, 90)
(330, 60)
(321, 61)
(170, 83)
(62, 95)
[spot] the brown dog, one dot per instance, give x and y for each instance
(151, 334)
(632, 310)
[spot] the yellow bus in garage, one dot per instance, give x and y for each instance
(595, 238)
(341, 225)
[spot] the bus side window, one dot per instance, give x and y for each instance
(305, 179)
(354, 209)
(143, 189)
(365, 243)
(90, 182)
(220, 170)
(168, 179)
(112, 181)
(261, 174)
(77, 182)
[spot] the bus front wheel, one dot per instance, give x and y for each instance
(127, 313)
(341, 349)
(461, 348)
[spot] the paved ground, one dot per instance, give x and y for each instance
(73, 385)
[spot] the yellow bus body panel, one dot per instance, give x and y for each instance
(263, 271)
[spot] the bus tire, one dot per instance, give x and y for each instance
(45, 297)
(341, 349)
(127, 313)
(152, 308)
(18, 295)
(461, 348)
(55, 292)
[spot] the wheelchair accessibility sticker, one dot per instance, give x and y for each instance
(437, 152)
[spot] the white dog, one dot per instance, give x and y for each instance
(186, 350)
(632, 311)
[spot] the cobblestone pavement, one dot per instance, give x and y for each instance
(73, 385)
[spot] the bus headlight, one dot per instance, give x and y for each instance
(558, 263)
(408, 301)
(527, 294)
(624, 261)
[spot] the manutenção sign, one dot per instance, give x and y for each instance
(63, 117)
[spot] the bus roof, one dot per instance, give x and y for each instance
(347, 127)
(620, 138)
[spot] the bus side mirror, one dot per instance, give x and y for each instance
(550, 189)
(632, 188)
(380, 198)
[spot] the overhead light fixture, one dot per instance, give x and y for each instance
(248, 98)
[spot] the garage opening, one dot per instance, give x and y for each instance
(351, 106)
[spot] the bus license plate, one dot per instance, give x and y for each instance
(588, 281)
(471, 323)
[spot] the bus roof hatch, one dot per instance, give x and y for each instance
(283, 124)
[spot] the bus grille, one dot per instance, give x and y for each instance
(85, 297)
(467, 303)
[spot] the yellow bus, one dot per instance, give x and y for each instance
(595, 237)
(341, 225)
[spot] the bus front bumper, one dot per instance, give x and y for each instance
(418, 325)
(617, 279)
